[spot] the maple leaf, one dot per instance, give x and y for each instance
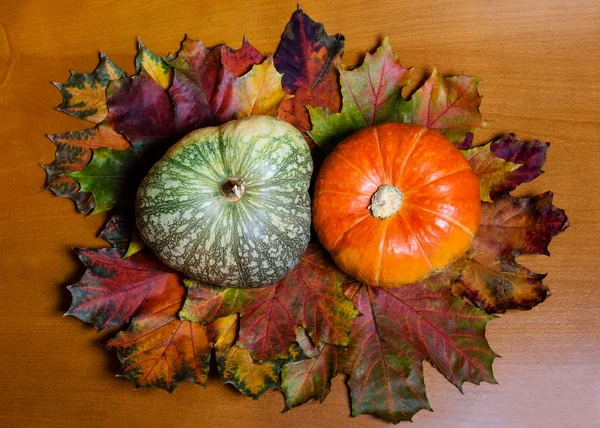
(141, 110)
(371, 94)
(160, 350)
(113, 288)
(398, 329)
(307, 57)
(450, 105)
(118, 231)
(84, 95)
(235, 364)
(237, 367)
(510, 227)
(112, 177)
(154, 65)
(203, 83)
(73, 152)
(505, 163)
(310, 296)
(491, 278)
(309, 378)
(259, 91)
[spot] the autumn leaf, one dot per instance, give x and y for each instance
(223, 332)
(160, 350)
(84, 95)
(308, 59)
(237, 367)
(310, 296)
(113, 288)
(450, 105)
(112, 177)
(371, 94)
(259, 91)
(491, 171)
(203, 81)
(135, 245)
(154, 65)
(239, 61)
(141, 110)
(398, 329)
(73, 152)
(510, 227)
(505, 163)
(309, 378)
(118, 231)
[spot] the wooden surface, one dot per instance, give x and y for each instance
(540, 65)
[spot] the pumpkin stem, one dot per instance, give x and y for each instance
(385, 202)
(233, 189)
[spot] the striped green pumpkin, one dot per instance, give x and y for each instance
(229, 205)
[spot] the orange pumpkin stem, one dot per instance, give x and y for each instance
(386, 201)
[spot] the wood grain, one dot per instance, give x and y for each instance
(539, 62)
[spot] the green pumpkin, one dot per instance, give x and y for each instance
(229, 205)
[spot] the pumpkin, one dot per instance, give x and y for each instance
(229, 205)
(394, 202)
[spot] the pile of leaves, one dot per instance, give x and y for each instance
(300, 333)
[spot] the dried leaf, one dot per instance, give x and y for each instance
(112, 177)
(73, 152)
(491, 170)
(449, 105)
(510, 227)
(309, 378)
(154, 65)
(84, 95)
(223, 332)
(141, 110)
(160, 350)
(307, 57)
(202, 90)
(371, 94)
(239, 61)
(398, 329)
(113, 289)
(118, 231)
(237, 367)
(310, 296)
(135, 245)
(259, 91)
(530, 155)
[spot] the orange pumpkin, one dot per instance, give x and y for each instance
(394, 201)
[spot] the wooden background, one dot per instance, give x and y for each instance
(540, 65)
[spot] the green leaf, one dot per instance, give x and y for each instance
(309, 378)
(370, 95)
(108, 177)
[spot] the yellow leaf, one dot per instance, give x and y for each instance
(238, 368)
(259, 91)
(223, 332)
(154, 65)
(135, 245)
